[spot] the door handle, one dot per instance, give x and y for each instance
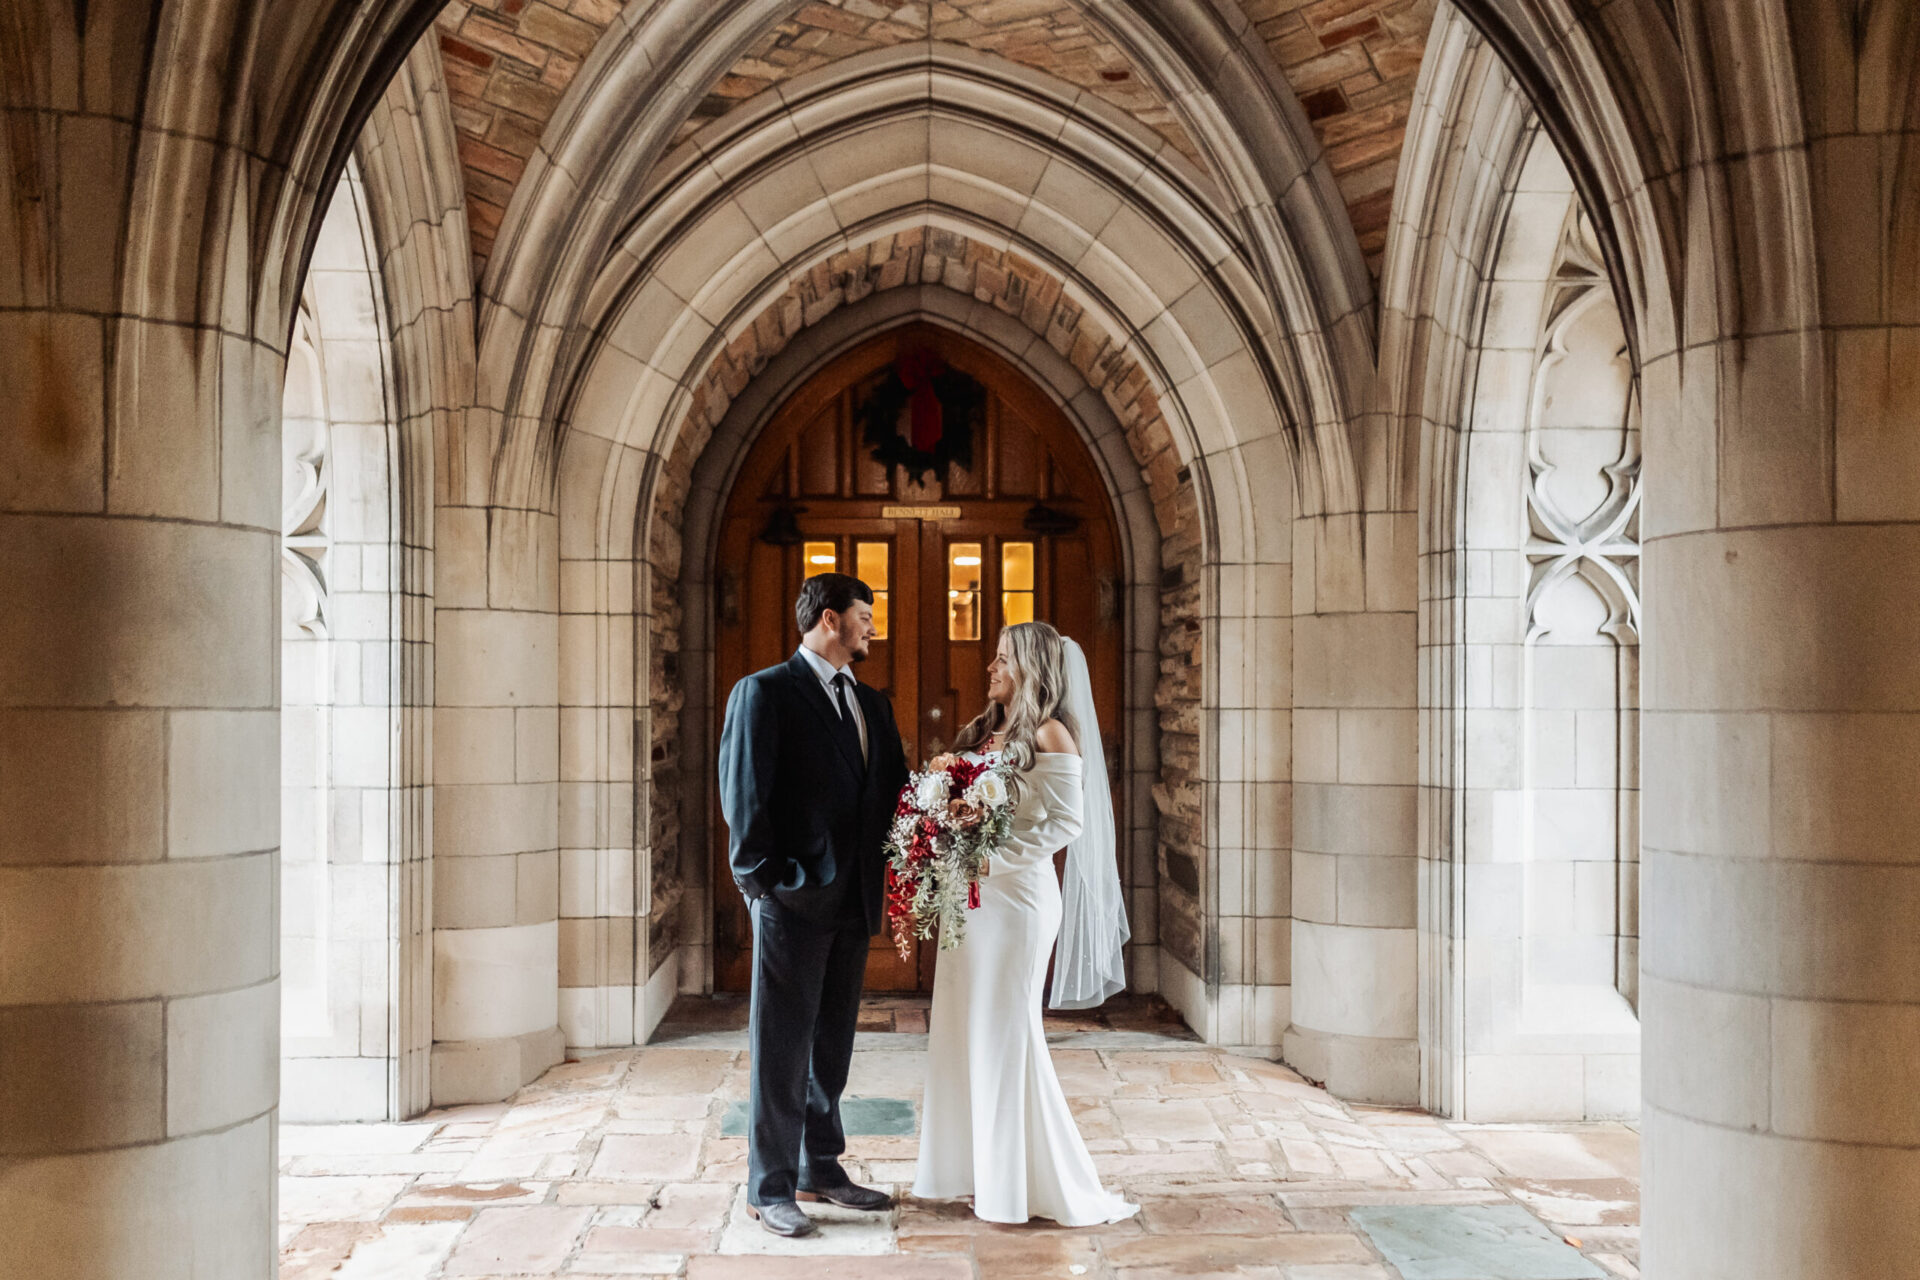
(933, 713)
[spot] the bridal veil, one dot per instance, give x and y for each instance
(1087, 966)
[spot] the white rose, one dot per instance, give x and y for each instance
(989, 790)
(931, 794)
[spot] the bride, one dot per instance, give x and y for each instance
(996, 1124)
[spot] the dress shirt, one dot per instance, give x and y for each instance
(827, 672)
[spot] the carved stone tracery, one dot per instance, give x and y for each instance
(306, 478)
(1602, 543)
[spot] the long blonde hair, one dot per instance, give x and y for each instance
(1037, 665)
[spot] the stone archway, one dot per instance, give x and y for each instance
(694, 276)
(1157, 581)
(345, 840)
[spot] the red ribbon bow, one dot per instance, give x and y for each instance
(917, 371)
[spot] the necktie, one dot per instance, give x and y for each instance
(849, 728)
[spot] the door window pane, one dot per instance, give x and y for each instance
(821, 557)
(1016, 581)
(963, 591)
(870, 566)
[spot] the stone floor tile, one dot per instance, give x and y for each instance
(430, 1213)
(1471, 1242)
(1603, 1151)
(1049, 1250)
(1464, 1164)
(1214, 1215)
(662, 1158)
(475, 1194)
(700, 1206)
(1351, 1195)
(955, 1242)
(1320, 1220)
(1179, 1119)
(318, 1249)
(354, 1139)
(605, 1193)
(1578, 1202)
(1238, 1165)
(890, 1267)
(1195, 1254)
(337, 1198)
(1124, 1165)
(518, 1241)
(681, 1071)
(633, 1264)
(604, 1247)
(354, 1165)
(401, 1252)
(664, 1106)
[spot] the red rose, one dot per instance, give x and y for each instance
(965, 772)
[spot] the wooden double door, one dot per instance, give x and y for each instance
(1021, 532)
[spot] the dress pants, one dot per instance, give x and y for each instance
(807, 978)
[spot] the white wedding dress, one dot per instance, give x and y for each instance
(995, 1124)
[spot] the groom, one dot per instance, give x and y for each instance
(810, 766)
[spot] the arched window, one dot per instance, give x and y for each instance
(340, 721)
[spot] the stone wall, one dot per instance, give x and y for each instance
(1354, 65)
(1020, 288)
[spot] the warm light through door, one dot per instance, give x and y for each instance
(870, 566)
(1016, 582)
(963, 591)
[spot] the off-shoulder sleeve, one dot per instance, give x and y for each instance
(1050, 815)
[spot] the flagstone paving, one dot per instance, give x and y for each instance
(616, 1165)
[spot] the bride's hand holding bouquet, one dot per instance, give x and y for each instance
(949, 817)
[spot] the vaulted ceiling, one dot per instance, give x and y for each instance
(1047, 35)
(1352, 64)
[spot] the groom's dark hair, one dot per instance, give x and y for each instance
(824, 591)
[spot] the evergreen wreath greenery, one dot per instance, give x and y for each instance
(962, 403)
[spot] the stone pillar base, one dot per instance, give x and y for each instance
(490, 1070)
(1357, 1068)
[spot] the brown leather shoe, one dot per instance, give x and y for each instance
(851, 1196)
(783, 1218)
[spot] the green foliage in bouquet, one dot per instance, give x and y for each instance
(949, 819)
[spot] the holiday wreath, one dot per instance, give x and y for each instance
(942, 405)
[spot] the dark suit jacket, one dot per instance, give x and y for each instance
(806, 820)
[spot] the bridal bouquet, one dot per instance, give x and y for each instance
(947, 822)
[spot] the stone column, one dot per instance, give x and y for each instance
(1782, 779)
(1355, 874)
(496, 887)
(139, 723)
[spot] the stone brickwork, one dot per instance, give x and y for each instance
(1354, 64)
(1020, 288)
(1051, 36)
(507, 62)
